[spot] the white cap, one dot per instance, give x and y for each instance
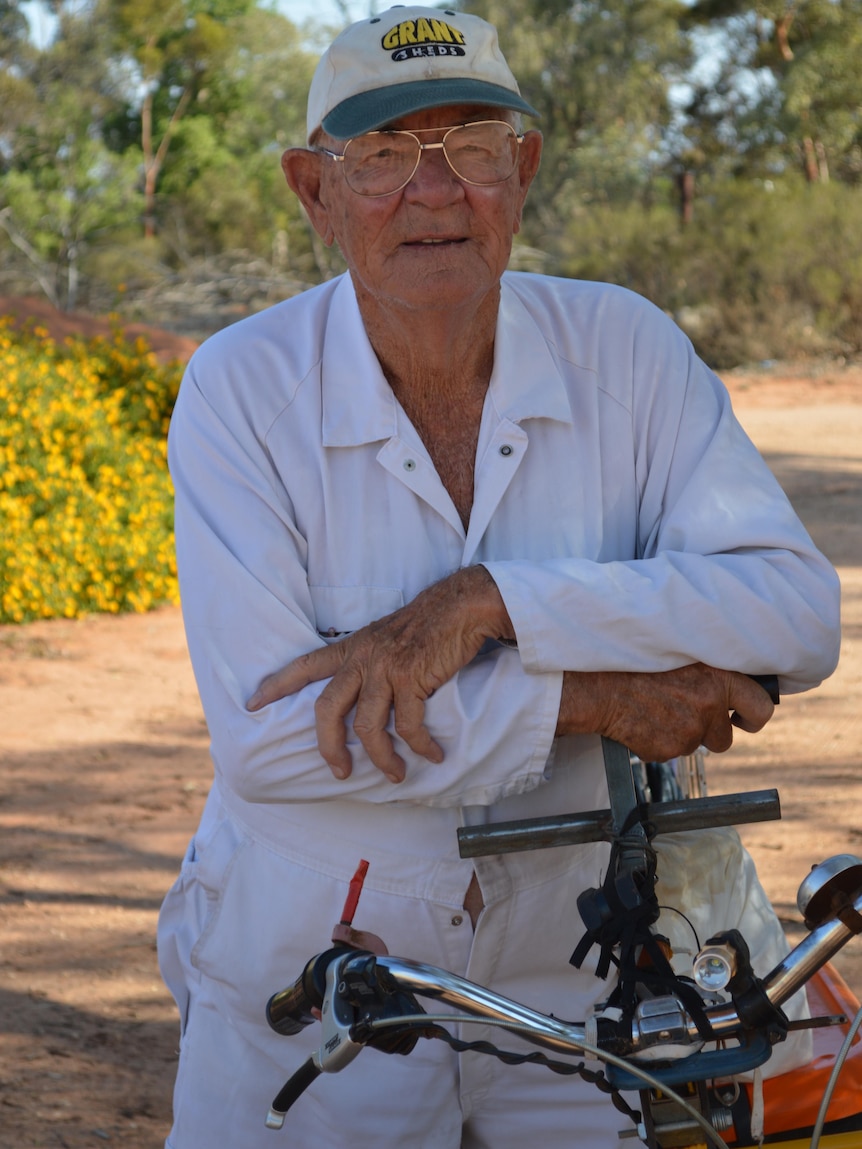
(405, 60)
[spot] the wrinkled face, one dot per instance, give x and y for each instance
(438, 242)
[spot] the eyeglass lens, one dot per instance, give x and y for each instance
(382, 162)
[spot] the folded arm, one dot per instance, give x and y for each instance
(391, 667)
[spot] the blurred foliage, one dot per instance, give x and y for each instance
(148, 117)
(810, 111)
(771, 271)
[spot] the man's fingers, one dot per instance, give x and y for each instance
(666, 714)
(330, 711)
(373, 711)
(374, 706)
(389, 667)
(751, 705)
(750, 709)
(718, 736)
(375, 703)
(308, 668)
(751, 725)
(372, 715)
(410, 725)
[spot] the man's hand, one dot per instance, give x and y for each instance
(660, 716)
(394, 665)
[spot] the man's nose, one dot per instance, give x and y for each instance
(434, 179)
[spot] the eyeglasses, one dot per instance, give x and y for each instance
(381, 163)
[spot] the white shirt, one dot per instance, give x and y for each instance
(627, 519)
(629, 523)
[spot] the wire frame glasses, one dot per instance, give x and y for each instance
(381, 163)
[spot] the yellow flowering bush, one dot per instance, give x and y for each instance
(86, 505)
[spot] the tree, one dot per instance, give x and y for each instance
(222, 184)
(178, 48)
(88, 148)
(16, 61)
(59, 184)
(53, 210)
(810, 50)
(599, 72)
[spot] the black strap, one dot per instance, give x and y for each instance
(619, 915)
(620, 912)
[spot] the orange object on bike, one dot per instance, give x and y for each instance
(792, 1100)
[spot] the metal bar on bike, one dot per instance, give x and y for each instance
(479, 1001)
(597, 825)
(813, 952)
(441, 985)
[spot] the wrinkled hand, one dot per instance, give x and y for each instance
(394, 665)
(660, 716)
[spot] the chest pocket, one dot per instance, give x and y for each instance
(338, 610)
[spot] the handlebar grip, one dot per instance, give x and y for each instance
(290, 1092)
(289, 1011)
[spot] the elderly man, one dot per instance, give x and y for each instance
(439, 527)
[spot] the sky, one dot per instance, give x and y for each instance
(322, 11)
(329, 11)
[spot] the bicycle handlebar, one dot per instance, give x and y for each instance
(659, 1022)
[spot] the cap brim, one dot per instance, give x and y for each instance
(369, 110)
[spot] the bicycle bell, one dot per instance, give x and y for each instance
(829, 885)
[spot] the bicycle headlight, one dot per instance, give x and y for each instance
(713, 967)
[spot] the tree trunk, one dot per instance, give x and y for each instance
(822, 161)
(40, 268)
(782, 34)
(812, 168)
(150, 171)
(72, 278)
(685, 184)
(153, 161)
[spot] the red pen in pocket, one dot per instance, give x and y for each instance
(344, 934)
(353, 892)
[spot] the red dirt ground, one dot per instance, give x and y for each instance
(104, 769)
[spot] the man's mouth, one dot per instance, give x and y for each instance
(433, 241)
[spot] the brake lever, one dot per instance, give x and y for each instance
(337, 1047)
(291, 1091)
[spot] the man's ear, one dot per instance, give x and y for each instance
(302, 170)
(529, 158)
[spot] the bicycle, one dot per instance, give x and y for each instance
(679, 1043)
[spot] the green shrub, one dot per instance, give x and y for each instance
(764, 271)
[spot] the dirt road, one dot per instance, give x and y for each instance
(103, 771)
